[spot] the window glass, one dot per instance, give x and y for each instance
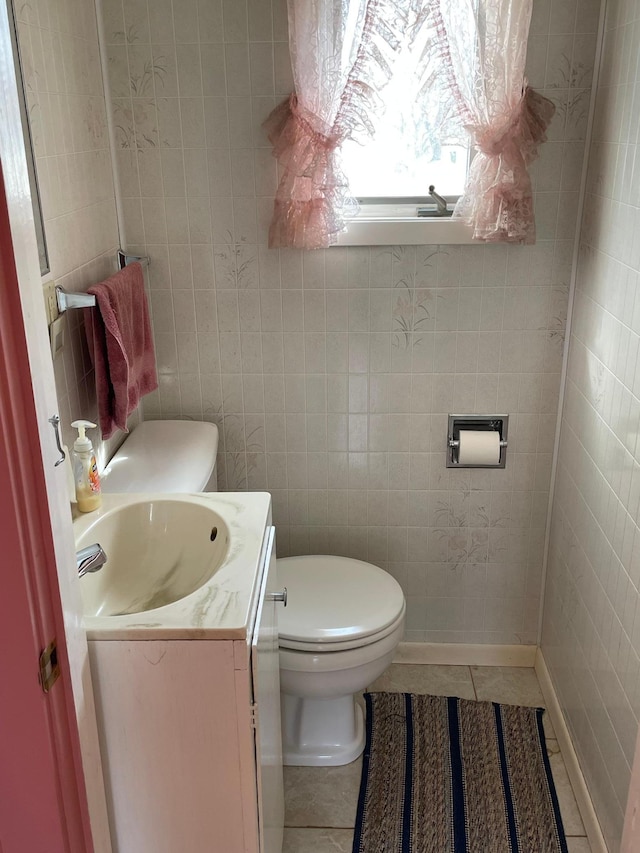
(415, 144)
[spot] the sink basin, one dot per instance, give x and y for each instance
(158, 552)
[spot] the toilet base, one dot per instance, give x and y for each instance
(321, 732)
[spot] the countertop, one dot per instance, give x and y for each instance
(220, 609)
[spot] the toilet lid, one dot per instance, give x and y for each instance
(164, 456)
(333, 599)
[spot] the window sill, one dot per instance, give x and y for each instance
(405, 232)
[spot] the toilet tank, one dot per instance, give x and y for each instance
(165, 456)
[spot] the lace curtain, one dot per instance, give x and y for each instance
(469, 55)
(481, 48)
(342, 53)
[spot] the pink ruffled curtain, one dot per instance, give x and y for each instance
(342, 53)
(469, 53)
(482, 48)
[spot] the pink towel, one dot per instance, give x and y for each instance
(121, 346)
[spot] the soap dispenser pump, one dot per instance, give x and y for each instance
(87, 479)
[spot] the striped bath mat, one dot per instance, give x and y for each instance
(446, 775)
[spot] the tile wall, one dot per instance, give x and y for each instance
(330, 373)
(63, 80)
(591, 637)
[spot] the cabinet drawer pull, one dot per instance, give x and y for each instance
(278, 596)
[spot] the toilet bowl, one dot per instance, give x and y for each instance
(339, 632)
(344, 617)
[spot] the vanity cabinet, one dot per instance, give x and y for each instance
(190, 735)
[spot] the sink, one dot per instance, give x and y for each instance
(159, 551)
(179, 566)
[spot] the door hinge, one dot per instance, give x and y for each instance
(253, 715)
(49, 668)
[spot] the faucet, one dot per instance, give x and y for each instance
(90, 559)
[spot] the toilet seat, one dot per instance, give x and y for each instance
(313, 647)
(314, 660)
(336, 604)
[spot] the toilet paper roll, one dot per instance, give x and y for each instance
(479, 447)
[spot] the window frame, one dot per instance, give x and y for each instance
(414, 231)
(390, 222)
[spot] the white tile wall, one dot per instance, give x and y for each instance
(63, 80)
(330, 373)
(591, 635)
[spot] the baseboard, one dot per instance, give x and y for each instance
(587, 812)
(464, 654)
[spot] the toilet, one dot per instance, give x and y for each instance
(165, 456)
(344, 617)
(339, 633)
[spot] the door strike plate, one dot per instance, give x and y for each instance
(49, 667)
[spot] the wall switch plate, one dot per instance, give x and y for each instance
(56, 336)
(50, 301)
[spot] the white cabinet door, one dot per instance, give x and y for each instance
(265, 666)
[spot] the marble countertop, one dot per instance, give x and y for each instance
(223, 607)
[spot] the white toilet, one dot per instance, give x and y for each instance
(339, 632)
(165, 456)
(344, 617)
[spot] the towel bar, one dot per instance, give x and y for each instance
(73, 300)
(67, 300)
(124, 260)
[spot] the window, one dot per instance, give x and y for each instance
(463, 75)
(415, 147)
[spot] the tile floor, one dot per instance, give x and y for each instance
(320, 802)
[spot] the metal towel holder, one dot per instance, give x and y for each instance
(124, 260)
(66, 300)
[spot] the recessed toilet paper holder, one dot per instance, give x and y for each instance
(492, 423)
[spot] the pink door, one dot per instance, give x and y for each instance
(43, 805)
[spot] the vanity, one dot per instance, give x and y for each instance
(183, 641)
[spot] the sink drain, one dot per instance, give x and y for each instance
(214, 533)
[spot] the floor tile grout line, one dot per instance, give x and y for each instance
(473, 684)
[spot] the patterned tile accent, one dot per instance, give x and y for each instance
(591, 638)
(330, 373)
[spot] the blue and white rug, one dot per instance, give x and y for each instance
(448, 775)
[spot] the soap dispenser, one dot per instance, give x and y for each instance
(85, 470)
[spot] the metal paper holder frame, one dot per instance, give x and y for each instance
(490, 423)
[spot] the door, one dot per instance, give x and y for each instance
(265, 664)
(42, 798)
(40, 599)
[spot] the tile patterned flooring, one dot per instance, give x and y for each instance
(320, 802)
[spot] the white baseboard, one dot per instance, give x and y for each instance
(462, 654)
(587, 812)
